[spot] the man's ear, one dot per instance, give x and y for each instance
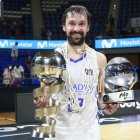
(88, 28)
(64, 28)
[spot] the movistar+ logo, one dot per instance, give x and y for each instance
(3, 44)
(110, 43)
(41, 45)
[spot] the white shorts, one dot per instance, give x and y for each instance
(89, 133)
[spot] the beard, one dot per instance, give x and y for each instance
(73, 41)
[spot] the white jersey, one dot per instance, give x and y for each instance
(17, 72)
(81, 80)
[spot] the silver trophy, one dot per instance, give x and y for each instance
(48, 67)
(120, 77)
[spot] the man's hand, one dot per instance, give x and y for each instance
(107, 108)
(41, 101)
(111, 108)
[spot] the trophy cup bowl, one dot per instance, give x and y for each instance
(120, 76)
(48, 67)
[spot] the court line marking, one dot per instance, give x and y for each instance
(11, 135)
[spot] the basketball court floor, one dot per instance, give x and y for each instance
(112, 128)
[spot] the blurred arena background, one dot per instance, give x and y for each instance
(36, 24)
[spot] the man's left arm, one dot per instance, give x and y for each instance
(102, 62)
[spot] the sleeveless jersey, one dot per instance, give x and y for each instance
(81, 79)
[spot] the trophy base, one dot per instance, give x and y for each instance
(122, 96)
(43, 131)
(36, 134)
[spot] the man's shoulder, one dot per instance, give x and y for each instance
(61, 48)
(58, 49)
(101, 59)
(100, 55)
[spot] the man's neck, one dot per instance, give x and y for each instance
(74, 49)
(76, 52)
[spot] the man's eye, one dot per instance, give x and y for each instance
(81, 24)
(72, 24)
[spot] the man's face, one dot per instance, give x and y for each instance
(76, 28)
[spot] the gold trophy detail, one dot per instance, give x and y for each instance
(48, 67)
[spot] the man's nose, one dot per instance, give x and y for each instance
(77, 28)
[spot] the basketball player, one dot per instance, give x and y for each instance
(77, 118)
